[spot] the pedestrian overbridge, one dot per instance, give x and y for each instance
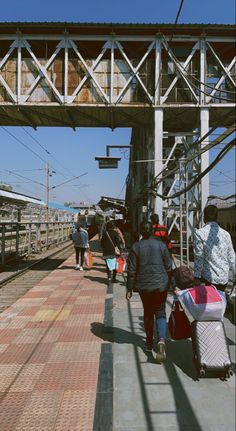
(115, 75)
(175, 86)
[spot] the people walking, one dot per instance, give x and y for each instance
(110, 243)
(148, 272)
(214, 255)
(81, 243)
(121, 236)
(160, 231)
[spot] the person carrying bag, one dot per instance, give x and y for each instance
(110, 243)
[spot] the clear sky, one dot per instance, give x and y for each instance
(72, 153)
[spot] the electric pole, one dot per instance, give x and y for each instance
(47, 189)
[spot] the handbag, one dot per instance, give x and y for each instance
(120, 265)
(116, 249)
(178, 323)
(88, 257)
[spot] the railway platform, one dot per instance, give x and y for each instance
(72, 358)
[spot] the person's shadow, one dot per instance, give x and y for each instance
(116, 335)
(180, 353)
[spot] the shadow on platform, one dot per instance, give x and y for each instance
(116, 335)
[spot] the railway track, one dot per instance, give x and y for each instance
(18, 284)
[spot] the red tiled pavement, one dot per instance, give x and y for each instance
(49, 358)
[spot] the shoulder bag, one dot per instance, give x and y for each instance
(117, 250)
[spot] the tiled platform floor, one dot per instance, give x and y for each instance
(62, 369)
(49, 358)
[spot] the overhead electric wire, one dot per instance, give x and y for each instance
(210, 86)
(36, 154)
(167, 172)
(177, 17)
(22, 143)
(221, 197)
(22, 170)
(222, 173)
(56, 160)
(25, 178)
(121, 189)
(35, 140)
(201, 175)
(75, 178)
(48, 152)
(185, 72)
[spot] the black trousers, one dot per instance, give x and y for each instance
(111, 274)
(79, 253)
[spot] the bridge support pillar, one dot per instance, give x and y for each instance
(204, 128)
(158, 157)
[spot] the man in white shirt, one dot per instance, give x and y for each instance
(214, 255)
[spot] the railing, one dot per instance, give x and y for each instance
(20, 239)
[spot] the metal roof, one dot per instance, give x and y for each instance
(109, 202)
(117, 27)
(55, 205)
(90, 23)
(17, 198)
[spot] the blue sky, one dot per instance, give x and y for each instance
(75, 151)
(193, 11)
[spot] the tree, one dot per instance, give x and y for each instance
(68, 204)
(6, 187)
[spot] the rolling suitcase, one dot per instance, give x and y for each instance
(210, 350)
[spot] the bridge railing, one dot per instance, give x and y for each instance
(20, 239)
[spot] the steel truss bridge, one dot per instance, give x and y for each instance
(179, 86)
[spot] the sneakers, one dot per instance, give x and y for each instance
(79, 267)
(148, 347)
(161, 352)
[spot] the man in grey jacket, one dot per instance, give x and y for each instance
(149, 270)
(81, 243)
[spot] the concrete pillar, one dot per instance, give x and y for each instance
(204, 112)
(158, 156)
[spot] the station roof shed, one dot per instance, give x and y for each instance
(14, 198)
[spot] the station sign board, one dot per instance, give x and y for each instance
(107, 162)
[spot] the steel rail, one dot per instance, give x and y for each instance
(37, 262)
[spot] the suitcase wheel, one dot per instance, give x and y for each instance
(202, 372)
(229, 373)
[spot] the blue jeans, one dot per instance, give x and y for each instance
(154, 305)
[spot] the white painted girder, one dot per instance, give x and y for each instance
(158, 45)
